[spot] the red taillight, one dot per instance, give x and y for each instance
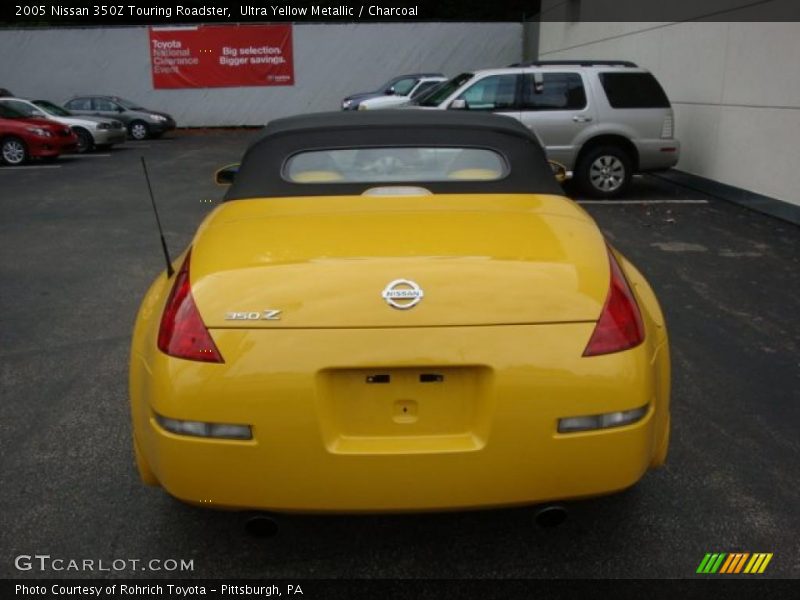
(620, 325)
(183, 333)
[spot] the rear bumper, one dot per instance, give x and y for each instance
(319, 446)
(657, 155)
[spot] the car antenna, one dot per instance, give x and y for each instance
(170, 270)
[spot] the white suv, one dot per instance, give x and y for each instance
(603, 120)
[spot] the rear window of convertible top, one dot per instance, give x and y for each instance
(395, 164)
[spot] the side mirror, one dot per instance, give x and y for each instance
(458, 104)
(120, 109)
(559, 171)
(391, 91)
(226, 174)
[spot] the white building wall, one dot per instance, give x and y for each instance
(330, 62)
(735, 88)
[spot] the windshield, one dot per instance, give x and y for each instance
(441, 94)
(128, 104)
(6, 112)
(425, 88)
(15, 110)
(51, 108)
(389, 84)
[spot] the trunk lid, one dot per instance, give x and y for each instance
(325, 262)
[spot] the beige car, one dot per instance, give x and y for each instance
(603, 120)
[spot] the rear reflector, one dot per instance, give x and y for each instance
(602, 421)
(620, 324)
(225, 431)
(183, 333)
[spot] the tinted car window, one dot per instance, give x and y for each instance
(53, 109)
(496, 92)
(393, 164)
(553, 91)
(104, 105)
(129, 104)
(6, 112)
(80, 104)
(403, 87)
(441, 94)
(424, 87)
(22, 107)
(633, 90)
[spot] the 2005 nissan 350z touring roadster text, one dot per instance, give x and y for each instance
(397, 311)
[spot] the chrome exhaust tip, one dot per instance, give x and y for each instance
(550, 516)
(261, 526)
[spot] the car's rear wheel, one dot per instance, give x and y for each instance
(604, 172)
(85, 140)
(139, 130)
(13, 151)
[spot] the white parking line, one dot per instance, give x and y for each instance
(589, 202)
(30, 167)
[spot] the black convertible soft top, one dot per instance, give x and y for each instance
(261, 171)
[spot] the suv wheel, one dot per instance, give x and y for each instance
(13, 151)
(138, 130)
(604, 172)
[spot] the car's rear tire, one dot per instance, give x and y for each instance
(139, 130)
(13, 151)
(85, 140)
(604, 172)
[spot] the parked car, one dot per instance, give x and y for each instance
(142, 123)
(90, 131)
(423, 85)
(604, 120)
(400, 85)
(397, 310)
(23, 138)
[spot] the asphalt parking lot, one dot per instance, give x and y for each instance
(78, 248)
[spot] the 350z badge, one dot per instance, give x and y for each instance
(264, 315)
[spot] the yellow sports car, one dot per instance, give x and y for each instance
(397, 311)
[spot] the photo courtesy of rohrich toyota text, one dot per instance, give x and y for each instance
(399, 299)
(157, 590)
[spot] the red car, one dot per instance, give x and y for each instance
(22, 138)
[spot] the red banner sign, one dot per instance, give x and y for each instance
(221, 56)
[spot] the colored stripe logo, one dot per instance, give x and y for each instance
(734, 562)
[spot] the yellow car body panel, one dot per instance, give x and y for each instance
(481, 369)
